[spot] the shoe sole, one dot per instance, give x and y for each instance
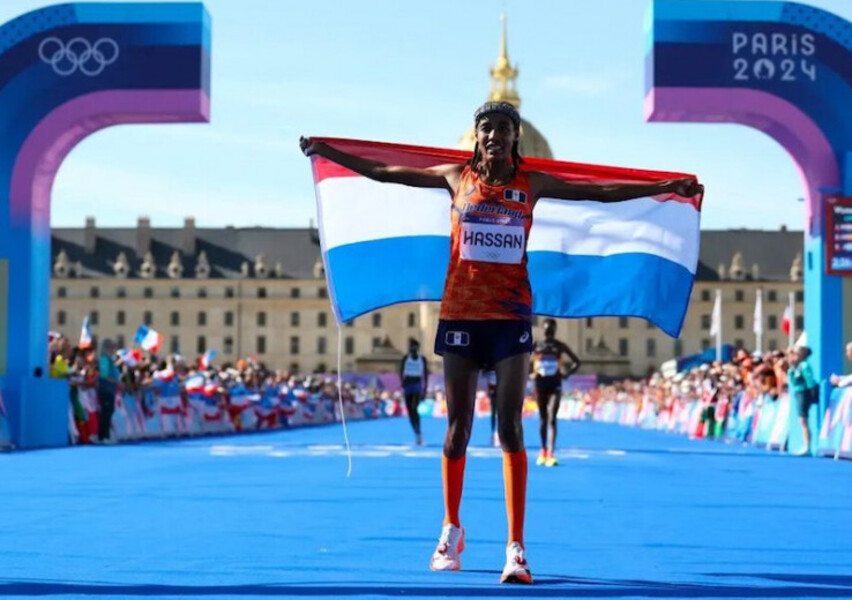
(521, 579)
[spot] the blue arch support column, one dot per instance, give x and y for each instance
(785, 69)
(67, 71)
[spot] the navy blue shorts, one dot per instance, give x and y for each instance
(485, 342)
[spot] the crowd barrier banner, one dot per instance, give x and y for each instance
(5, 436)
(744, 418)
(167, 409)
(835, 436)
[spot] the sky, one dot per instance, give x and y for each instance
(410, 72)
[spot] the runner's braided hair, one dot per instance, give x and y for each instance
(506, 109)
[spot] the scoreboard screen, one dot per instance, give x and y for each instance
(838, 237)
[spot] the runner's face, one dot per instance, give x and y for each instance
(495, 134)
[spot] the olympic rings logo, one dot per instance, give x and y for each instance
(78, 54)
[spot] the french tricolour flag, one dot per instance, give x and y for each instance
(85, 334)
(387, 243)
(207, 359)
(149, 339)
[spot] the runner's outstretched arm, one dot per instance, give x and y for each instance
(545, 185)
(441, 176)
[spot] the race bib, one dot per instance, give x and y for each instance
(493, 243)
(413, 368)
(548, 366)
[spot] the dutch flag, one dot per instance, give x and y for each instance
(635, 258)
(148, 339)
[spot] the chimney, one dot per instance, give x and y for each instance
(89, 235)
(189, 236)
(143, 236)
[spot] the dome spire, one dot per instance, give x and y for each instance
(503, 75)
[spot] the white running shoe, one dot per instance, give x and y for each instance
(517, 570)
(447, 556)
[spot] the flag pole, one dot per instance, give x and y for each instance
(717, 314)
(758, 321)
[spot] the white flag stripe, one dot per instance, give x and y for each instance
(643, 225)
(356, 209)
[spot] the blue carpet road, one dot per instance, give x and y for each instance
(627, 514)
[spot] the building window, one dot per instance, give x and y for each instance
(229, 292)
(295, 293)
(623, 347)
(261, 344)
(800, 323)
(649, 325)
(94, 292)
(202, 319)
(705, 343)
(590, 322)
(377, 341)
(120, 318)
(322, 319)
(321, 345)
(202, 292)
(294, 344)
(60, 317)
(773, 345)
(93, 317)
(119, 340)
(229, 319)
(61, 292)
(175, 319)
(651, 348)
(294, 368)
(321, 368)
(175, 292)
(350, 323)
(705, 295)
(294, 319)
(412, 320)
(322, 293)
(349, 345)
(147, 318)
(175, 344)
(800, 296)
(678, 348)
(705, 322)
(377, 319)
(261, 319)
(261, 292)
(739, 322)
(228, 345)
(772, 323)
(772, 296)
(121, 292)
(201, 345)
(739, 344)
(622, 322)
(148, 292)
(739, 296)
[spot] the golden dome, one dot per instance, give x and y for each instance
(504, 88)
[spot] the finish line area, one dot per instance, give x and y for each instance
(627, 513)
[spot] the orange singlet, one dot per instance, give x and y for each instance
(487, 276)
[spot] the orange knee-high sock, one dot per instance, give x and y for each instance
(515, 480)
(452, 473)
